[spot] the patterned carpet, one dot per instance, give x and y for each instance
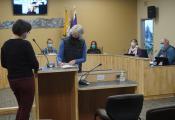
(7, 99)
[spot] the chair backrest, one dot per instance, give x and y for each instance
(163, 113)
(124, 107)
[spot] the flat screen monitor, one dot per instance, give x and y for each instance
(142, 53)
(29, 7)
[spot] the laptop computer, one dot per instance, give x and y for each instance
(161, 61)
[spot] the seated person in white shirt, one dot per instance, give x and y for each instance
(50, 49)
(133, 50)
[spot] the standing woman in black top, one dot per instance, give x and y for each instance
(18, 57)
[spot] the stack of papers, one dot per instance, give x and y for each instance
(66, 66)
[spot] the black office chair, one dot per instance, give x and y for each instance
(121, 107)
(162, 113)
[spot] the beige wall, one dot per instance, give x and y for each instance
(164, 25)
(112, 23)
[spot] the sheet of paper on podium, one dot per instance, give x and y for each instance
(67, 66)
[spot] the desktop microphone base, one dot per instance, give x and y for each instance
(50, 65)
(83, 82)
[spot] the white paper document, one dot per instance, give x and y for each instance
(66, 66)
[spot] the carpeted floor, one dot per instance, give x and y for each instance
(7, 99)
(149, 104)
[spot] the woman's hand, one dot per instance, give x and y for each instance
(61, 63)
(72, 62)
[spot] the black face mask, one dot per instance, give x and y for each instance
(75, 42)
(72, 38)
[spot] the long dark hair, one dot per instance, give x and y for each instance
(95, 44)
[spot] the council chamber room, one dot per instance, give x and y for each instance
(87, 60)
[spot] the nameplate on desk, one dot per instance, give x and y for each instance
(100, 77)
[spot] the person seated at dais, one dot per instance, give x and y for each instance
(133, 50)
(167, 51)
(50, 49)
(93, 48)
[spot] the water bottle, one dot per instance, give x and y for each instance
(122, 76)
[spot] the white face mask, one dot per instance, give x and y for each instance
(49, 45)
(161, 45)
(133, 44)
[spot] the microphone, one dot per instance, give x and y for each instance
(49, 65)
(84, 81)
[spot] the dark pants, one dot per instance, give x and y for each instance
(23, 89)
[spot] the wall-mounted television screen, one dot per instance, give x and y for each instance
(30, 7)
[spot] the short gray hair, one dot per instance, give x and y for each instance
(77, 28)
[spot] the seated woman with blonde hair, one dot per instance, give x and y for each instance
(133, 50)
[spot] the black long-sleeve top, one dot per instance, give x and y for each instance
(18, 57)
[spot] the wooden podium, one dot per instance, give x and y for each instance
(57, 94)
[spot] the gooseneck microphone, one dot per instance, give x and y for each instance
(84, 81)
(49, 65)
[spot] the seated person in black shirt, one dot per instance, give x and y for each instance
(93, 48)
